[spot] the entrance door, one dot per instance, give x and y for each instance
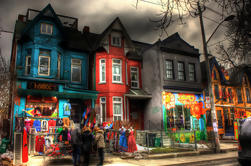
(219, 119)
(229, 122)
(76, 112)
(137, 113)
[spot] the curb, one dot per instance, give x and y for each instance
(184, 154)
(202, 161)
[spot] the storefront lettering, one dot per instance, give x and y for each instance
(41, 86)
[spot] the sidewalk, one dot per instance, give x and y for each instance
(187, 160)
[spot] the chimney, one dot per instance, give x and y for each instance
(21, 18)
(86, 29)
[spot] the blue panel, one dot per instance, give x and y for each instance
(61, 109)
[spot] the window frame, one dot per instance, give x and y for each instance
(49, 64)
(100, 71)
(247, 95)
(120, 64)
(118, 38)
(46, 26)
(26, 64)
(217, 95)
(101, 111)
(169, 69)
(59, 65)
(137, 72)
(181, 71)
(230, 95)
(117, 102)
(192, 72)
(239, 100)
(80, 65)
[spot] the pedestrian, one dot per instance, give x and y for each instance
(99, 138)
(87, 144)
(76, 144)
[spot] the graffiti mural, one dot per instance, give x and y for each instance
(184, 112)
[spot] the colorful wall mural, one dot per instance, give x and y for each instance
(182, 114)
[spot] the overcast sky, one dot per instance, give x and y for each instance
(98, 14)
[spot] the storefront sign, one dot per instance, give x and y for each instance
(42, 86)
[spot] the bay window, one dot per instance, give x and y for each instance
(44, 63)
(116, 71)
(102, 69)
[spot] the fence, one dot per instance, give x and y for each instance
(180, 140)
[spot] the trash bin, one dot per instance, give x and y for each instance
(151, 137)
(157, 142)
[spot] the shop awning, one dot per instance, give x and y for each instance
(138, 94)
(63, 95)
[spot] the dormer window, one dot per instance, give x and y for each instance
(46, 29)
(116, 41)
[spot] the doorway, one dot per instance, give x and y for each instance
(229, 121)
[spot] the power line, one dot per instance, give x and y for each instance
(212, 10)
(216, 43)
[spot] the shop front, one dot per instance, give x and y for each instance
(44, 114)
(183, 112)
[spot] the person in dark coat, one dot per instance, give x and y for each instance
(87, 144)
(76, 144)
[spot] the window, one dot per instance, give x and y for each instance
(181, 71)
(116, 71)
(224, 96)
(248, 95)
(59, 64)
(117, 108)
(102, 70)
(169, 69)
(208, 118)
(46, 29)
(76, 70)
(239, 97)
(134, 77)
(216, 91)
(116, 41)
(102, 109)
(28, 62)
(191, 72)
(44, 63)
(230, 95)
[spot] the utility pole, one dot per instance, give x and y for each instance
(216, 141)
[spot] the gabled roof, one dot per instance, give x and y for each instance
(46, 12)
(109, 29)
(237, 74)
(176, 44)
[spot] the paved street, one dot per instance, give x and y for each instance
(223, 159)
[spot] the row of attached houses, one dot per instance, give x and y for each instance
(61, 72)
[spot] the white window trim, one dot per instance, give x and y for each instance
(46, 25)
(121, 102)
(49, 65)
(100, 71)
(137, 76)
(26, 62)
(80, 70)
(120, 81)
(101, 111)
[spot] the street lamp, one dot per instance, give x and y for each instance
(229, 18)
(210, 89)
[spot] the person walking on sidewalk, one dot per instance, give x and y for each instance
(76, 144)
(99, 138)
(87, 144)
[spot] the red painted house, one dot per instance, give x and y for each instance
(118, 76)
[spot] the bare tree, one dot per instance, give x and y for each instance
(238, 32)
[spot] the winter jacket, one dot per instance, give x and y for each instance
(99, 138)
(87, 141)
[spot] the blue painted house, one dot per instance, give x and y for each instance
(50, 64)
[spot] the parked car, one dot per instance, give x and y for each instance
(244, 148)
